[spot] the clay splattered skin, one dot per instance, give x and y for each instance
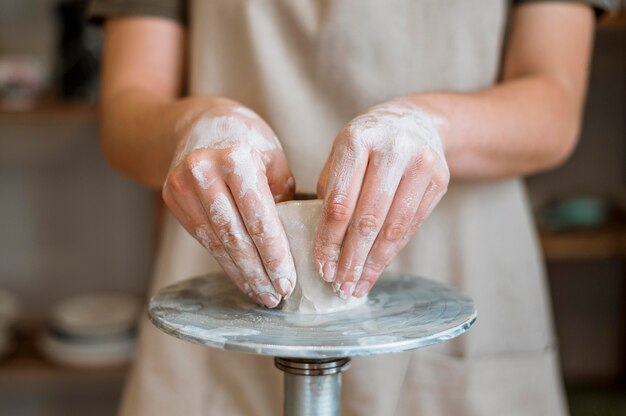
(227, 173)
(385, 174)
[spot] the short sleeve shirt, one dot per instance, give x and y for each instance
(177, 9)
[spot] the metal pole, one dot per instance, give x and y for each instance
(312, 387)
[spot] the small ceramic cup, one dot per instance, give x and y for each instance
(311, 294)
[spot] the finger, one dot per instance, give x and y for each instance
(207, 237)
(397, 224)
(428, 203)
(251, 193)
(231, 231)
(436, 190)
(347, 168)
(382, 178)
(228, 226)
(280, 179)
(185, 206)
(322, 182)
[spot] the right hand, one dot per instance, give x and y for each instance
(227, 173)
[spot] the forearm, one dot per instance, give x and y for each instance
(515, 128)
(531, 120)
(140, 131)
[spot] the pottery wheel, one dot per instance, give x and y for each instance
(402, 313)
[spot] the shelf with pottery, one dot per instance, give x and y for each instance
(33, 367)
(85, 336)
(28, 364)
(50, 110)
(604, 243)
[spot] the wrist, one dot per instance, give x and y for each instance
(434, 105)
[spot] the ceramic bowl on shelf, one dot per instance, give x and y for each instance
(96, 314)
(85, 352)
(92, 330)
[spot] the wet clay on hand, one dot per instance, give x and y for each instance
(311, 294)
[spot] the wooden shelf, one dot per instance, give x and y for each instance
(37, 368)
(614, 20)
(605, 243)
(27, 364)
(51, 110)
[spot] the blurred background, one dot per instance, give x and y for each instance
(77, 240)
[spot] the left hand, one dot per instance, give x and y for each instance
(385, 174)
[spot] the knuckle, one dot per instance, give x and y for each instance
(225, 233)
(232, 240)
(337, 208)
(353, 146)
(166, 195)
(426, 159)
(367, 224)
(214, 246)
(350, 140)
(348, 144)
(433, 188)
(236, 153)
(228, 162)
(419, 219)
(353, 271)
(328, 250)
(394, 232)
(374, 267)
(191, 160)
(257, 228)
(217, 250)
(272, 263)
(443, 177)
(176, 183)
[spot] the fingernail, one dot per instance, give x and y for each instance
(329, 271)
(285, 286)
(345, 290)
(362, 287)
(269, 299)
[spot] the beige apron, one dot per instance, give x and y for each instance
(308, 67)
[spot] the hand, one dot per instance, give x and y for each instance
(227, 173)
(385, 174)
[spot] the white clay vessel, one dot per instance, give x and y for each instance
(311, 294)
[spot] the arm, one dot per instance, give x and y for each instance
(531, 120)
(142, 77)
(390, 166)
(222, 165)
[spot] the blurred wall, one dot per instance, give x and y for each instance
(69, 224)
(588, 298)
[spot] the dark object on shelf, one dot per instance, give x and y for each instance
(10, 310)
(78, 51)
(575, 213)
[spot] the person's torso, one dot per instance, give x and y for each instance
(309, 66)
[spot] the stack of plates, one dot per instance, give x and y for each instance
(9, 313)
(92, 330)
